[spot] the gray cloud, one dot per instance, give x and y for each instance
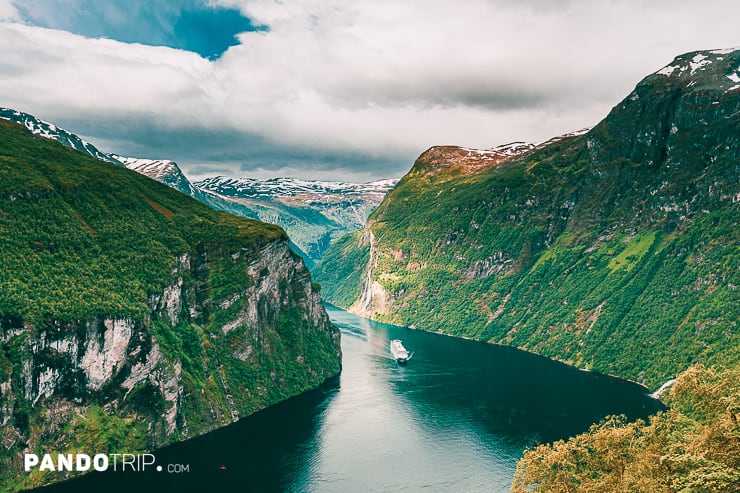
(207, 152)
(355, 88)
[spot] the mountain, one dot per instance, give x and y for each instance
(164, 171)
(614, 250)
(314, 213)
(167, 172)
(133, 316)
(51, 131)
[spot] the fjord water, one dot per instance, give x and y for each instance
(456, 418)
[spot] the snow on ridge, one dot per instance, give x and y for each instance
(668, 70)
(131, 162)
(42, 127)
(383, 183)
(724, 51)
(682, 64)
(282, 187)
(154, 168)
(503, 150)
(50, 131)
(575, 133)
(698, 62)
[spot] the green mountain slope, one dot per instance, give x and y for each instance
(132, 316)
(313, 212)
(615, 250)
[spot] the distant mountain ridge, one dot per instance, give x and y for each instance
(51, 131)
(614, 250)
(289, 187)
(162, 170)
(313, 212)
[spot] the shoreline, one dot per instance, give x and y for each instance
(655, 394)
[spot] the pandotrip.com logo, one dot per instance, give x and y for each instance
(98, 462)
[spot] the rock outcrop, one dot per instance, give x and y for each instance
(132, 316)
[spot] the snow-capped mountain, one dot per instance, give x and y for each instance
(291, 187)
(51, 131)
(167, 172)
(313, 213)
(162, 170)
(700, 67)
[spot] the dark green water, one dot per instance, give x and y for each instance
(455, 419)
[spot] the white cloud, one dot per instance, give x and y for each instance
(65, 70)
(375, 78)
(8, 11)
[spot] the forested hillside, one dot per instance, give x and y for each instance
(132, 316)
(614, 250)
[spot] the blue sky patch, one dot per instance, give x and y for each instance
(190, 25)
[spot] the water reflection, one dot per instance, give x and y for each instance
(455, 419)
(270, 451)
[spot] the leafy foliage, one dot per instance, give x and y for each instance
(95, 431)
(81, 238)
(692, 447)
(342, 269)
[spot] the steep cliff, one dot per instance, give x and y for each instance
(132, 316)
(615, 249)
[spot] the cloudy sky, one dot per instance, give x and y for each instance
(335, 89)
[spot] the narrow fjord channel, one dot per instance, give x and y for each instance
(456, 418)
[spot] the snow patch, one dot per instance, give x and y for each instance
(668, 70)
(698, 62)
(511, 149)
(290, 187)
(50, 131)
(725, 51)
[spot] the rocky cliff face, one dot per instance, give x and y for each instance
(113, 356)
(132, 319)
(613, 249)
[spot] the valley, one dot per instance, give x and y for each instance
(576, 276)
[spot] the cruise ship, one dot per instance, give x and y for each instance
(400, 354)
